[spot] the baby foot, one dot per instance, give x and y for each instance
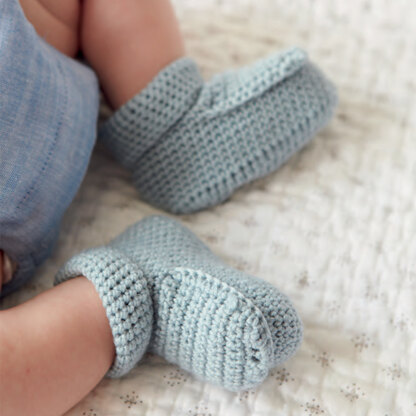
(220, 324)
(49, 106)
(191, 144)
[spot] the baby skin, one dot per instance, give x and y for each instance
(109, 305)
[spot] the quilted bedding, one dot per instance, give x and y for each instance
(334, 228)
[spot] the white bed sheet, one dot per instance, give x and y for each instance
(334, 228)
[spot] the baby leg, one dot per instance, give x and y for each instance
(128, 42)
(56, 21)
(54, 349)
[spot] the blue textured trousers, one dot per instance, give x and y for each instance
(48, 115)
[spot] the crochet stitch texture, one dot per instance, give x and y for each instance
(191, 144)
(222, 325)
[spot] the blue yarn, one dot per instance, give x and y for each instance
(191, 144)
(220, 324)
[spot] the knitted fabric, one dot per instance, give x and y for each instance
(125, 297)
(48, 113)
(220, 324)
(190, 144)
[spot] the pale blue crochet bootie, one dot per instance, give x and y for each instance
(48, 117)
(191, 144)
(218, 323)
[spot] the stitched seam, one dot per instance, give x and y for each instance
(48, 158)
(51, 147)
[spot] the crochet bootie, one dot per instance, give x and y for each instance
(48, 113)
(190, 144)
(220, 324)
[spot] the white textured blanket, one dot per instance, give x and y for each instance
(334, 228)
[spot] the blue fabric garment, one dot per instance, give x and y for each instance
(48, 113)
(190, 144)
(220, 324)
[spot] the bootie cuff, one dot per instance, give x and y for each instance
(125, 297)
(142, 121)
